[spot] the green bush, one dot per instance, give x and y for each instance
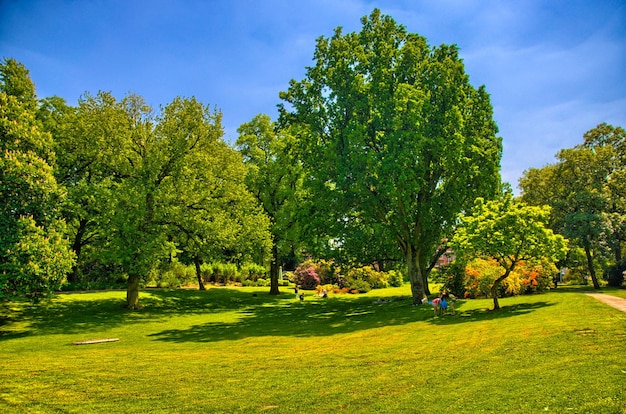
(260, 282)
(171, 274)
(325, 271)
(396, 279)
(615, 274)
(454, 278)
(359, 285)
(224, 273)
(252, 271)
(289, 276)
(373, 278)
(167, 280)
(206, 271)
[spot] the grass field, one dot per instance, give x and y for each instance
(226, 351)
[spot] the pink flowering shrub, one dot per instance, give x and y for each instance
(305, 276)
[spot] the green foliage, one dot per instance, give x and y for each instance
(395, 140)
(274, 177)
(141, 185)
(586, 191)
(365, 278)
(454, 278)
(171, 274)
(34, 260)
(88, 142)
(508, 232)
(396, 279)
(358, 286)
(260, 282)
(34, 253)
(15, 81)
(616, 274)
(253, 271)
(224, 273)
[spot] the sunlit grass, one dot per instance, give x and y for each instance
(226, 350)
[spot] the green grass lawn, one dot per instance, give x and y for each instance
(226, 351)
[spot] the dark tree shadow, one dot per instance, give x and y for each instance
(261, 314)
(57, 316)
(479, 315)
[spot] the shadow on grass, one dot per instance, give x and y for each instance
(72, 313)
(479, 315)
(257, 314)
(329, 317)
(318, 317)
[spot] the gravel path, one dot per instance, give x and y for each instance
(616, 302)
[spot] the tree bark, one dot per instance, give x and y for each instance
(424, 273)
(77, 247)
(196, 261)
(496, 286)
(132, 292)
(274, 270)
(415, 277)
(591, 267)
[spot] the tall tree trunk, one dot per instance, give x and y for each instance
(132, 292)
(274, 270)
(77, 246)
(415, 276)
(196, 261)
(591, 267)
(425, 273)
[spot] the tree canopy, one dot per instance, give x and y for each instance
(586, 192)
(509, 232)
(34, 252)
(274, 176)
(394, 136)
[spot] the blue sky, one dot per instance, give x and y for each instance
(554, 68)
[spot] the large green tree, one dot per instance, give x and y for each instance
(395, 135)
(509, 232)
(177, 186)
(34, 254)
(86, 158)
(586, 192)
(274, 176)
(612, 140)
(153, 158)
(213, 215)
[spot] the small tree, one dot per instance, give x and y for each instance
(509, 232)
